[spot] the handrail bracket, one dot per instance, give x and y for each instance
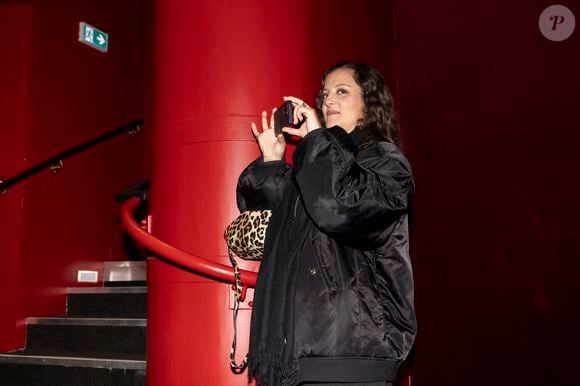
(55, 167)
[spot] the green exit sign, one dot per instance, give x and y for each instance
(93, 37)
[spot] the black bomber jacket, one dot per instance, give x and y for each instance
(334, 297)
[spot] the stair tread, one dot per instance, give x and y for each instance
(125, 283)
(135, 362)
(84, 355)
(88, 321)
(108, 290)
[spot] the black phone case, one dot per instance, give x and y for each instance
(283, 117)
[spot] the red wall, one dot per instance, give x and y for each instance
(489, 110)
(68, 93)
(15, 22)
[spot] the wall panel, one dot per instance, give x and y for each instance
(489, 109)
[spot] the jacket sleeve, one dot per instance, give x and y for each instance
(262, 184)
(354, 199)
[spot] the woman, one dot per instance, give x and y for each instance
(333, 303)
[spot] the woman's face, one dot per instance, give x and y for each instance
(342, 104)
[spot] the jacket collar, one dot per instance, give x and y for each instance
(356, 136)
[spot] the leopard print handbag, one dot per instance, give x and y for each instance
(245, 238)
(245, 235)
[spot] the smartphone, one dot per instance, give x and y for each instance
(283, 117)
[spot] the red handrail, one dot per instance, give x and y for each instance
(198, 264)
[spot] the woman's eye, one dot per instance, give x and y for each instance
(324, 96)
(341, 91)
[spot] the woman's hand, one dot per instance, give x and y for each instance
(305, 114)
(271, 146)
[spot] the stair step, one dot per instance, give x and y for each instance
(77, 321)
(129, 302)
(72, 336)
(70, 372)
(101, 341)
(56, 359)
(108, 290)
(124, 283)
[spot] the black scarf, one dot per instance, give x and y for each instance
(270, 358)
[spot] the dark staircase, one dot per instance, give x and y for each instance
(100, 342)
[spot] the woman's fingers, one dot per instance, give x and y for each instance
(296, 101)
(281, 140)
(300, 108)
(265, 125)
(272, 118)
(292, 131)
(302, 114)
(296, 117)
(255, 130)
(264, 120)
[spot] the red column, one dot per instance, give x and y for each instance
(216, 65)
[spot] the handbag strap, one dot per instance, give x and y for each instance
(236, 368)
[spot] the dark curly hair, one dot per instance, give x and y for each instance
(379, 121)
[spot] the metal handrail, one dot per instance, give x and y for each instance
(198, 264)
(55, 162)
